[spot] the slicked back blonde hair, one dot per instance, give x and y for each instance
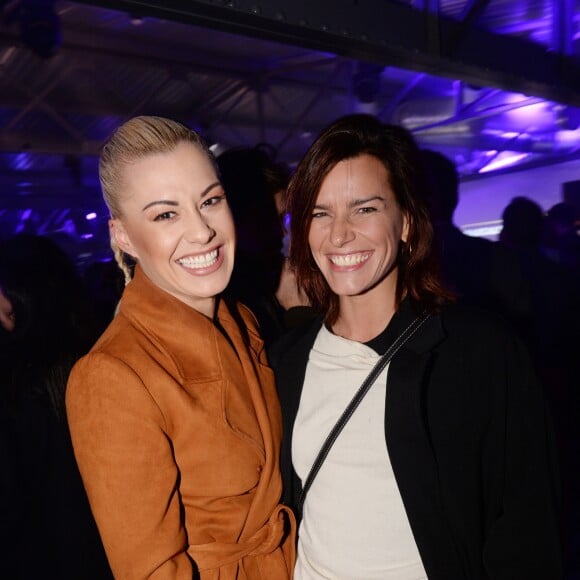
(136, 139)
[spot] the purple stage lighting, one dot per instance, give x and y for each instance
(504, 159)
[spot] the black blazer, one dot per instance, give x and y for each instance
(469, 441)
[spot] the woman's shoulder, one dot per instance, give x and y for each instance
(113, 354)
(123, 336)
(464, 319)
(480, 335)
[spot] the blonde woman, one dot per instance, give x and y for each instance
(173, 414)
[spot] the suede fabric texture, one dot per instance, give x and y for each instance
(176, 429)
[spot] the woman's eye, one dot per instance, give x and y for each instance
(166, 215)
(367, 209)
(213, 200)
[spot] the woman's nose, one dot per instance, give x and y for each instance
(340, 232)
(198, 229)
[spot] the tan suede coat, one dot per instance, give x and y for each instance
(176, 430)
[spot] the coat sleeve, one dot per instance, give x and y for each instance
(523, 538)
(126, 462)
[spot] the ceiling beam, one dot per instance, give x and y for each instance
(15, 141)
(299, 121)
(467, 20)
(563, 26)
(100, 52)
(382, 31)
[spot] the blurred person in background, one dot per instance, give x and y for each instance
(256, 186)
(553, 340)
(46, 324)
(480, 272)
(105, 283)
(554, 345)
(251, 178)
(562, 237)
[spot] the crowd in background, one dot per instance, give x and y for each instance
(51, 313)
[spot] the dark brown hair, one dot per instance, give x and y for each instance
(346, 138)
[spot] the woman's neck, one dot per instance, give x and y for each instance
(361, 318)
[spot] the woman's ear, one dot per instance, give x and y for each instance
(405, 230)
(121, 237)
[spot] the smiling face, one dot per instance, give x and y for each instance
(177, 224)
(356, 229)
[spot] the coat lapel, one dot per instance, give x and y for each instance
(264, 430)
(411, 453)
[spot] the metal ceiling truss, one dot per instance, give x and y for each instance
(392, 33)
(301, 118)
(39, 102)
(468, 114)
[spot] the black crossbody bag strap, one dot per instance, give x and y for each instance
(356, 400)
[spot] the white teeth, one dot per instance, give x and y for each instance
(349, 260)
(203, 261)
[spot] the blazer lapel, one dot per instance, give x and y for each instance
(411, 453)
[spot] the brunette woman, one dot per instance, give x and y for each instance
(445, 469)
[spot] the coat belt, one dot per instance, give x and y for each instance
(267, 539)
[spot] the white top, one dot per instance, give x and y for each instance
(354, 525)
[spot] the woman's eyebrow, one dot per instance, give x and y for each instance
(354, 202)
(174, 203)
(209, 188)
(357, 202)
(160, 202)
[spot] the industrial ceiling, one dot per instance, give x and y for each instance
(490, 83)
